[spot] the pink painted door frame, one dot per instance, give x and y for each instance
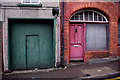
(77, 41)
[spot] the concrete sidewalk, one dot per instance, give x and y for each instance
(73, 71)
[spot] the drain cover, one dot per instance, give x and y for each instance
(87, 74)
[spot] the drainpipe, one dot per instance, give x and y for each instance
(62, 37)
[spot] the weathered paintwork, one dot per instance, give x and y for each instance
(31, 44)
(32, 48)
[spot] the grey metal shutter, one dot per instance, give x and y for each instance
(95, 36)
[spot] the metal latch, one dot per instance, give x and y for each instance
(76, 45)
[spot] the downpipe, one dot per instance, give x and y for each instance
(62, 36)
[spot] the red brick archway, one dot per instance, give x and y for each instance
(111, 12)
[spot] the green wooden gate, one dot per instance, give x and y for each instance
(31, 44)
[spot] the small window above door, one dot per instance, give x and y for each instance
(88, 16)
(30, 1)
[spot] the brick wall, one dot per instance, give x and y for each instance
(119, 19)
(109, 9)
(119, 9)
(95, 54)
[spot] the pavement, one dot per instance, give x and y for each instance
(74, 71)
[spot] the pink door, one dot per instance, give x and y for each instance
(76, 41)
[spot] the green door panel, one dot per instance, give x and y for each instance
(32, 51)
(31, 44)
(17, 47)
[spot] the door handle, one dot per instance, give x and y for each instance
(82, 44)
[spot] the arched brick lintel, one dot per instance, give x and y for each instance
(105, 10)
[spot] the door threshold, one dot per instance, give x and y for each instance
(76, 60)
(75, 64)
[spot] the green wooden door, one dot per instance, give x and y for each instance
(32, 47)
(31, 44)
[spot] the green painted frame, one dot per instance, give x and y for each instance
(30, 5)
(54, 36)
